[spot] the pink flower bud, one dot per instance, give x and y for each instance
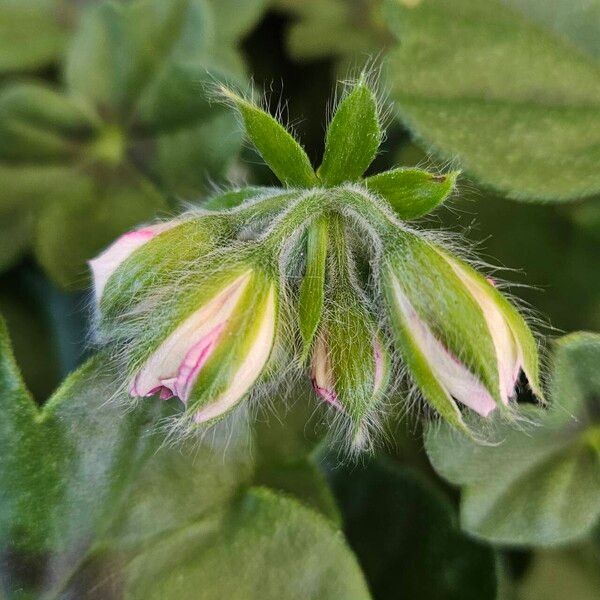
(105, 264)
(177, 366)
(455, 377)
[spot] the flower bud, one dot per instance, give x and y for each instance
(460, 338)
(212, 358)
(349, 366)
(185, 317)
(349, 370)
(106, 263)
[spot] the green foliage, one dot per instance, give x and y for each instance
(349, 31)
(132, 127)
(312, 288)
(539, 484)
(92, 498)
(33, 33)
(560, 574)
(515, 104)
(405, 536)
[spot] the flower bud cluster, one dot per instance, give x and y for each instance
(201, 307)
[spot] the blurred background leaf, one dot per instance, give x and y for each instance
(132, 132)
(515, 105)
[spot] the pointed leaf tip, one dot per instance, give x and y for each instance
(282, 153)
(412, 193)
(353, 137)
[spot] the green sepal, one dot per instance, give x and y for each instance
(233, 198)
(282, 153)
(312, 288)
(412, 193)
(353, 137)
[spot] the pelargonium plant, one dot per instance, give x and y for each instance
(323, 277)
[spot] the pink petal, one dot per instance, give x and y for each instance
(194, 361)
(379, 365)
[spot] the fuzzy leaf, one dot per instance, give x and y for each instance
(263, 546)
(394, 516)
(282, 153)
(62, 465)
(412, 193)
(87, 506)
(541, 484)
(353, 137)
(517, 105)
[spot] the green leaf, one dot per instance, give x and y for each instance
(353, 137)
(577, 20)
(405, 536)
(348, 31)
(264, 546)
(186, 160)
(282, 153)
(304, 481)
(518, 106)
(95, 502)
(312, 288)
(62, 465)
(38, 123)
(32, 33)
(235, 19)
(412, 193)
(119, 48)
(540, 485)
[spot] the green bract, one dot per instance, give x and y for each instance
(131, 128)
(323, 276)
